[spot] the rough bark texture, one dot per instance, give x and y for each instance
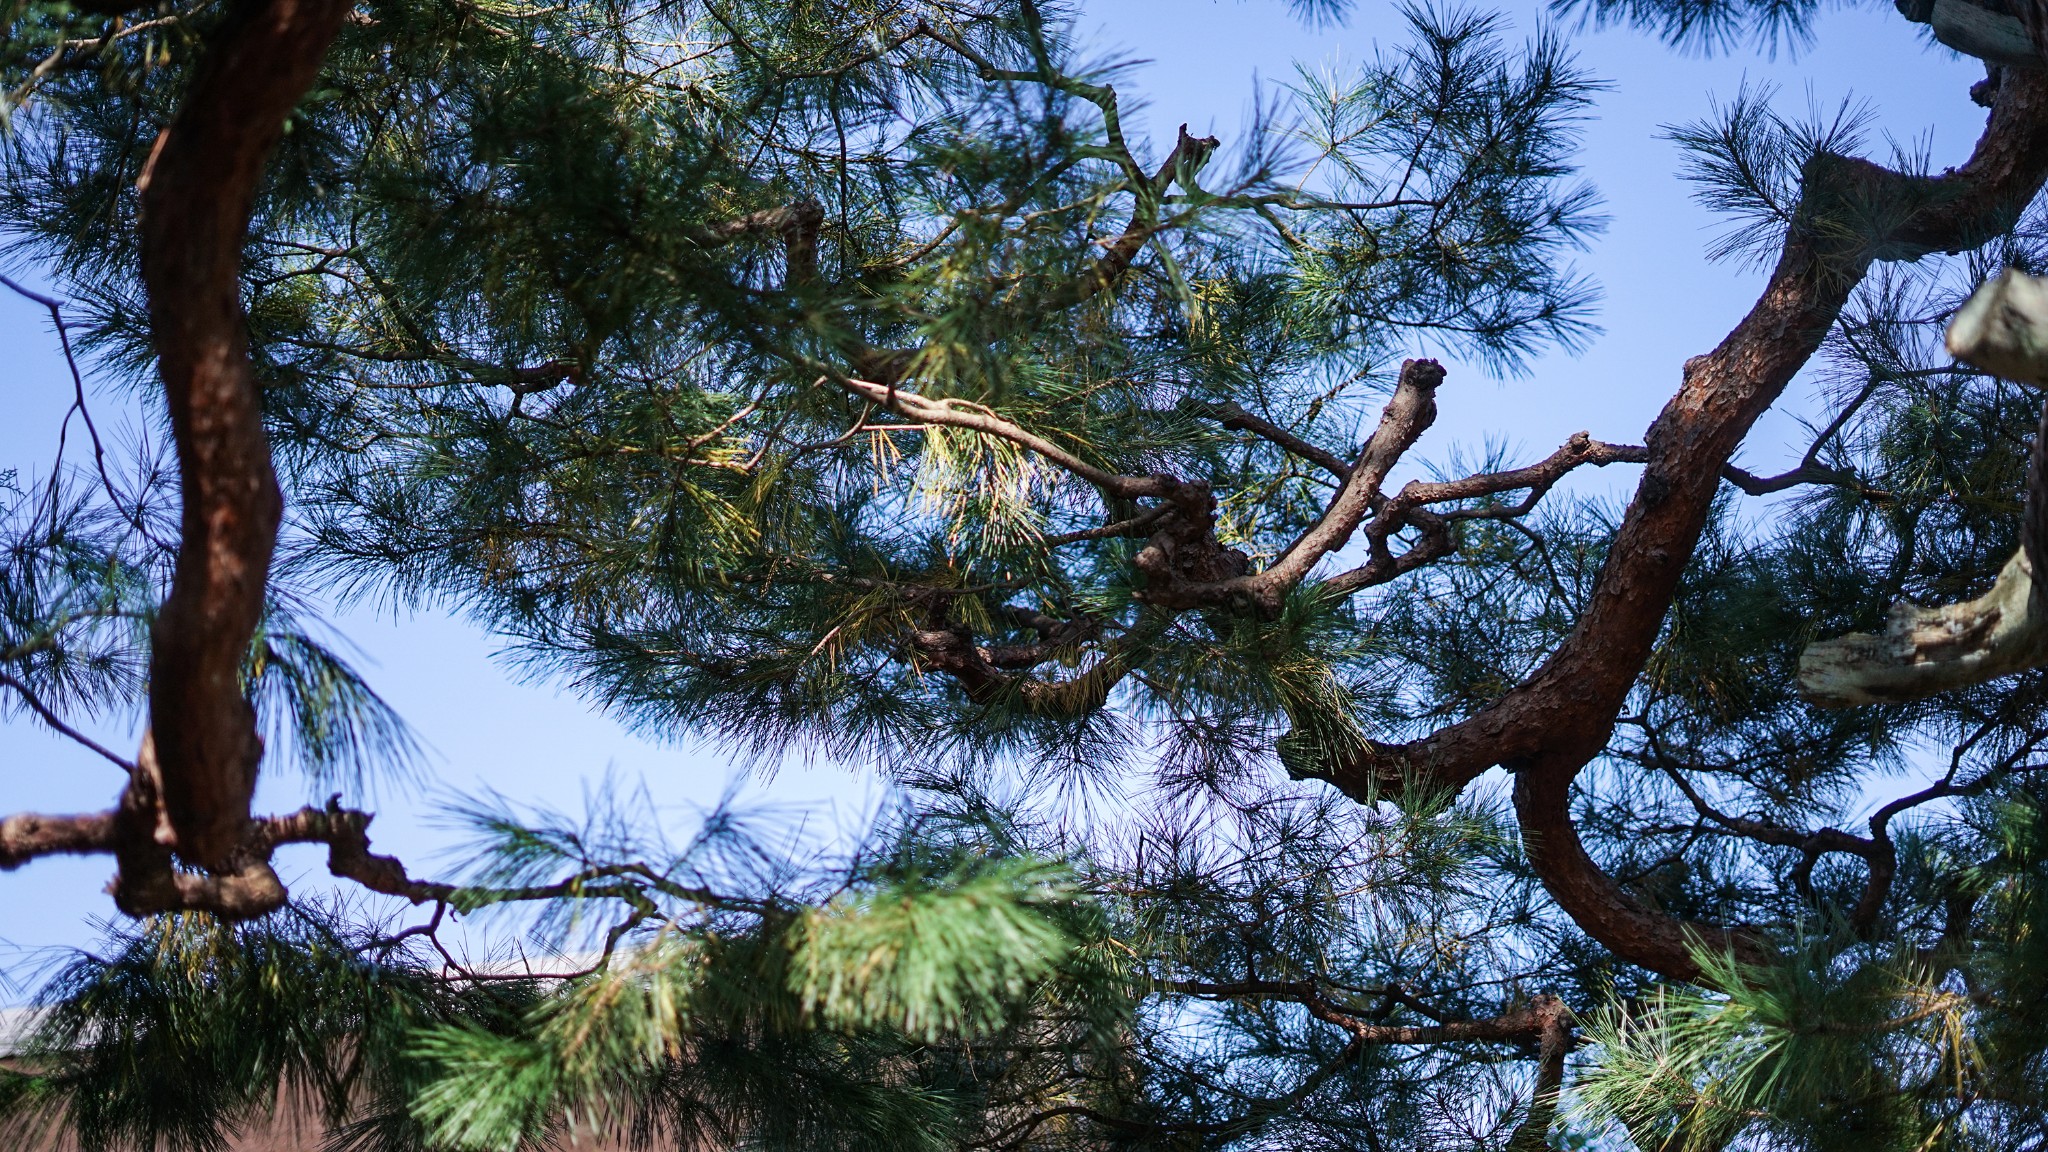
(1549, 727)
(188, 792)
(1927, 650)
(2002, 329)
(198, 191)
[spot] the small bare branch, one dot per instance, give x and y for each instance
(55, 721)
(1135, 526)
(953, 413)
(1235, 418)
(1523, 1024)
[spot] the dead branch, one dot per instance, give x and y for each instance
(1526, 1023)
(1408, 413)
(1923, 651)
(1233, 417)
(2002, 329)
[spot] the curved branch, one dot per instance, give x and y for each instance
(1810, 470)
(2002, 329)
(1408, 414)
(1567, 707)
(50, 717)
(198, 192)
(1559, 718)
(1923, 651)
(1628, 927)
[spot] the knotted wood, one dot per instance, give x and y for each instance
(2003, 329)
(198, 193)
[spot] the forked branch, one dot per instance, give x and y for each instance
(1558, 719)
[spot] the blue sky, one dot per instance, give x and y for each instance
(485, 727)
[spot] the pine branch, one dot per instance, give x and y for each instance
(1530, 1023)
(50, 717)
(198, 191)
(1553, 723)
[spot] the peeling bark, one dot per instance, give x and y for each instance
(2002, 329)
(1923, 651)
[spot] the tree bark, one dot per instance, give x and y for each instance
(2003, 329)
(1554, 723)
(198, 192)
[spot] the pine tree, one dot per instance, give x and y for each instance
(840, 376)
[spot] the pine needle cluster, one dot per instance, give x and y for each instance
(850, 378)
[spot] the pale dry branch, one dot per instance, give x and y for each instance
(2002, 329)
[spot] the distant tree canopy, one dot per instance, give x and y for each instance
(845, 377)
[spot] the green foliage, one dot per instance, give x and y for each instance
(944, 956)
(939, 987)
(320, 713)
(187, 1029)
(77, 592)
(1748, 163)
(1850, 1045)
(70, 608)
(564, 314)
(1828, 1056)
(699, 1026)
(1706, 26)
(522, 355)
(716, 1022)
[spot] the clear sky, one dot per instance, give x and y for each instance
(485, 727)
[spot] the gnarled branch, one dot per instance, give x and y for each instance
(2002, 329)
(198, 192)
(1552, 724)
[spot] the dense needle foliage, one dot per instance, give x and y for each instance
(842, 377)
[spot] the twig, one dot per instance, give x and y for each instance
(78, 405)
(51, 718)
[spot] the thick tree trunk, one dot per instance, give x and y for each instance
(198, 192)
